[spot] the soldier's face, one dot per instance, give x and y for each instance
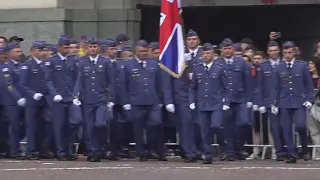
(238, 54)
(207, 56)
(93, 49)
(43, 53)
(228, 51)
(288, 54)
(126, 55)
(155, 54)
(3, 58)
(192, 42)
(64, 49)
(141, 52)
(257, 59)
(15, 54)
(274, 52)
(74, 49)
(112, 52)
(2, 42)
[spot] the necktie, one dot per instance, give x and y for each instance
(192, 54)
(93, 62)
(206, 68)
(289, 66)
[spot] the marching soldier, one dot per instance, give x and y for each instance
(146, 94)
(94, 88)
(154, 50)
(208, 88)
(126, 52)
(33, 83)
(235, 115)
(266, 84)
(61, 75)
(14, 100)
(293, 95)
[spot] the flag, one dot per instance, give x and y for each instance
(171, 38)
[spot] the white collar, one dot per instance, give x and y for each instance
(94, 59)
(140, 61)
(229, 60)
(194, 51)
(37, 60)
(292, 61)
(14, 61)
(61, 57)
(208, 65)
(274, 61)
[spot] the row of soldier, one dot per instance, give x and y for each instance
(59, 93)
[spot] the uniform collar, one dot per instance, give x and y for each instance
(274, 61)
(94, 59)
(61, 57)
(14, 61)
(37, 60)
(140, 61)
(195, 52)
(229, 60)
(292, 61)
(209, 65)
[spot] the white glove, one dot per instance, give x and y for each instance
(110, 105)
(255, 107)
(192, 106)
(170, 108)
(76, 102)
(127, 107)
(262, 110)
(21, 102)
(187, 57)
(190, 75)
(37, 96)
(274, 110)
(307, 104)
(57, 98)
(225, 107)
(249, 104)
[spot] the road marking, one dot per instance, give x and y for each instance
(272, 168)
(61, 169)
(48, 163)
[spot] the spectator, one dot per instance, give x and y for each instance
(17, 39)
(3, 41)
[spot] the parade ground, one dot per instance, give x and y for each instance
(174, 169)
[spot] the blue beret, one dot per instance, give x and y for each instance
(73, 41)
(52, 47)
(3, 50)
(207, 47)
(288, 45)
(122, 37)
(237, 47)
(272, 43)
(63, 40)
(126, 48)
(38, 44)
(191, 33)
(12, 45)
(93, 40)
(227, 42)
(142, 43)
(154, 45)
(110, 43)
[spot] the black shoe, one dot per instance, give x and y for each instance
(223, 156)
(47, 155)
(162, 158)
(18, 157)
(113, 157)
(95, 159)
(190, 160)
(153, 155)
(207, 161)
(231, 158)
(72, 157)
(306, 157)
(281, 158)
(291, 159)
(32, 157)
(143, 158)
(63, 159)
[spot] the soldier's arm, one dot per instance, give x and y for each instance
(308, 84)
(11, 83)
(111, 81)
(275, 95)
(125, 84)
(226, 87)
(193, 88)
(24, 79)
(79, 83)
(49, 78)
(248, 87)
(166, 87)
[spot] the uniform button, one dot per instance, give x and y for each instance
(231, 89)
(93, 72)
(291, 94)
(145, 78)
(230, 83)
(206, 96)
(206, 77)
(146, 84)
(206, 83)
(93, 77)
(92, 83)
(146, 90)
(290, 82)
(290, 76)
(92, 89)
(291, 88)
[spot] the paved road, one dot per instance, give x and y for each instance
(153, 170)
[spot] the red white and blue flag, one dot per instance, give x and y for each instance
(171, 38)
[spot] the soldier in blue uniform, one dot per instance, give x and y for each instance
(95, 89)
(14, 99)
(235, 115)
(266, 85)
(122, 40)
(238, 50)
(292, 97)
(61, 75)
(146, 92)
(33, 83)
(154, 50)
(209, 92)
(126, 52)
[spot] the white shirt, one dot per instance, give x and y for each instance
(229, 60)
(208, 65)
(144, 63)
(194, 52)
(61, 57)
(94, 59)
(274, 62)
(37, 60)
(14, 61)
(291, 63)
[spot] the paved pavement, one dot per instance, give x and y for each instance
(174, 169)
